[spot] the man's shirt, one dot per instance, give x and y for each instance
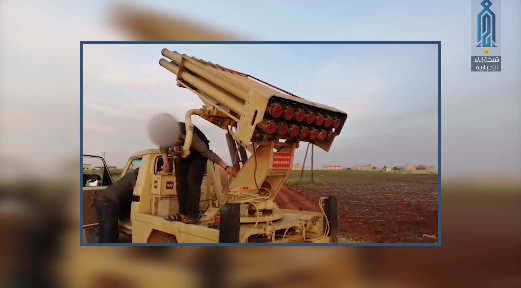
(199, 146)
(122, 189)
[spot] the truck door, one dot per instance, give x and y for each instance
(96, 177)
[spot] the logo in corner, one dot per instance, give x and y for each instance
(486, 34)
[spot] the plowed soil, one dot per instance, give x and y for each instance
(373, 207)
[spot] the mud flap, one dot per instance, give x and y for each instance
(230, 224)
(330, 207)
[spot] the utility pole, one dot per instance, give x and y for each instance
(312, 160)
(103, 153)
(304, 163)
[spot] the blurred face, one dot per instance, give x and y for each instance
(163, 130)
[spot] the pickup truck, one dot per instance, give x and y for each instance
(222, 220)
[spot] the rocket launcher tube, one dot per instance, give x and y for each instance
(300, 115)
(329, 121)
(322, 135)
(220, 96)
(268, 126)
(246, 99)
(294, 131)
(304, 132)
(289, 113)
(310, 118)
(313, 134)
(319, 120)
(211, 77)
(275, 110)
(336, 123)
(283, 129)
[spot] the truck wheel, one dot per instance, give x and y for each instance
(330, 207)
(91, 234)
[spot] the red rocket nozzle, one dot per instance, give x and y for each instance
(310, 118)
(289, 112)
(300, 115)
(337, 123)
(329, 121)
(322, 135)
(313, 134)
(275, 110)
(283, 129)
(320, 119)
(294, 131)
(269, 127)
(304, 132)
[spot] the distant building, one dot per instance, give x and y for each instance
(298, 167)
(112, 167)
(365, 167)
(87, 166)
(417, 169)
(425, 169)
(398, 169)
(409, 168)
(332, 167)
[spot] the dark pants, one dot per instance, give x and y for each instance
(108, 216)
(189, 173)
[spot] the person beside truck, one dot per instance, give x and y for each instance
(111, 202)
(189, 172)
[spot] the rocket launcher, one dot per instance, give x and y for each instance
(257, 110)
(260, 118)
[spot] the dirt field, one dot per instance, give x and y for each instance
(373, 207)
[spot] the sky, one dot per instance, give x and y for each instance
(392, 102)
(480, 122)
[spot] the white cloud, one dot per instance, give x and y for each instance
(127, 81)
(357, 96)
(105, 110)
(97, 128)
(120, 97)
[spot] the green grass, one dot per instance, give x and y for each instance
(320, 176)
(303, 182)
(323, 174)
(349, 240)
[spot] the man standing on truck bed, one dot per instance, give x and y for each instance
(189, 173)
(109, 204)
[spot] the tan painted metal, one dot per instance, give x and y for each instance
(242, 106)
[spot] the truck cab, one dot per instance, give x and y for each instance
(150, 164)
